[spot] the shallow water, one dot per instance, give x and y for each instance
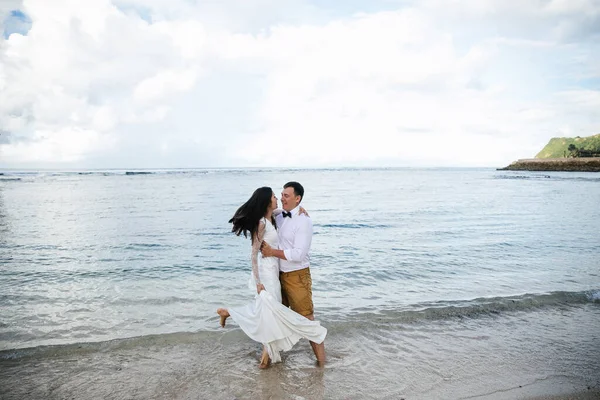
(551, 350)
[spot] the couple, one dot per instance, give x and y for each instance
(281, 277)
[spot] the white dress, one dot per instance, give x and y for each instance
(266, 320)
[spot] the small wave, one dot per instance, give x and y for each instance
(9, 179)
(138, 173)
(576, 178)
(158, 301)
(99, 173)
(125, 273)
(186, 172)
(353, 226)
(481, 307)
(336, 320)
(522, 177)
(74, 349)
(135, 246)
(212, 233)
(549, 177)
(594, 296)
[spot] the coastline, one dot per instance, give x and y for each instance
(193, 368)
(591, 164)
(487, 358)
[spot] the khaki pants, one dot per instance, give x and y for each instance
(296, 291)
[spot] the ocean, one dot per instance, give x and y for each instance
(433, 283)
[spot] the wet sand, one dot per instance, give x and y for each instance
(462, 359)
(589, 395)
(195, 372)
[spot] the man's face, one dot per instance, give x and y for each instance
(289, 200)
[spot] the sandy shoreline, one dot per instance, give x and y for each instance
(223, 365)
(591, 164)
(127, 375)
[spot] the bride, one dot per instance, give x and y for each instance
(266, 320)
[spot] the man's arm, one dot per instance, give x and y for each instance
(302, 241)
(268, 251)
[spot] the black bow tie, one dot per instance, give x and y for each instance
(287, 214)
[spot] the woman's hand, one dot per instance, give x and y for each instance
(303, 211)
(259, 288)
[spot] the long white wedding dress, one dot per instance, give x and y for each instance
(266, 320)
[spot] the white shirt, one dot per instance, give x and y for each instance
(295, 236)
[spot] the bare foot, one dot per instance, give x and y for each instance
(224, 314)
(265, 361)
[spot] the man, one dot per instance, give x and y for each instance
(295, 236)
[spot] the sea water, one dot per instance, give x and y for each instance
(433, 283)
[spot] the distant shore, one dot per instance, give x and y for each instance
(588, 164)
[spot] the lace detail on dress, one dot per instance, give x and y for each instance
(256, 242)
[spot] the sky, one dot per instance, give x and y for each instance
(293, 83)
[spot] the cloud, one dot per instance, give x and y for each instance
(161, 83)
(80, 76)
(393, 86)
(57, 145)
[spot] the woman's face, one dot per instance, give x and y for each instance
(273, 202)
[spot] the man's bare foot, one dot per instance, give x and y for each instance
(224, 314)
(265, 361)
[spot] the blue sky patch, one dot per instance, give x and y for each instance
(16, 22)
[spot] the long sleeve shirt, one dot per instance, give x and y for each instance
(295, 237)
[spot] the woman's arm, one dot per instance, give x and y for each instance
(256, 242)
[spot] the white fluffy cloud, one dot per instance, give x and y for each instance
(156, 83)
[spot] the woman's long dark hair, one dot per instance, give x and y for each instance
(246, 217)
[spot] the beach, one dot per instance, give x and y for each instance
(432, 283)
(444, 360)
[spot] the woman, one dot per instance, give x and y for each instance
(266, 320)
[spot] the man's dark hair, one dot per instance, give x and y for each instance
(298, 189)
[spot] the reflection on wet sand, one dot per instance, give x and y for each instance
(457, 360)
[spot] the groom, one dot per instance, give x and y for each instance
(295, 235)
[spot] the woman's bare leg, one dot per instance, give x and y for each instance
(224, 314)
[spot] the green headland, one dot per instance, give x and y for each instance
(564, 154)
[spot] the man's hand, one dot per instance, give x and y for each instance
(266, 250)
(303, 211)
(259, 288)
